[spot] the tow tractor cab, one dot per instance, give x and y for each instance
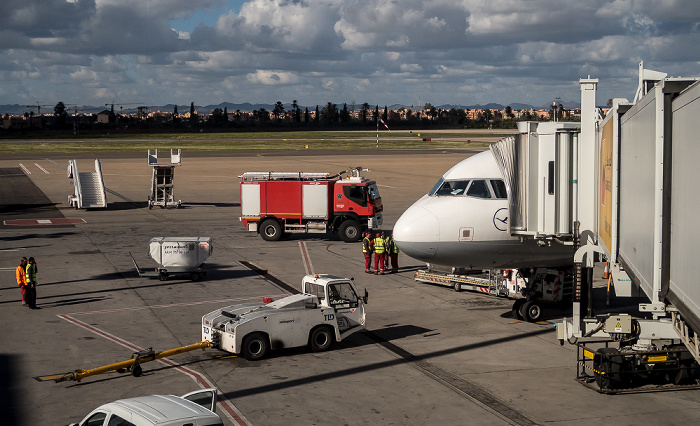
(276, 203)
(329, 309)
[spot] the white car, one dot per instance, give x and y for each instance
(193, 409)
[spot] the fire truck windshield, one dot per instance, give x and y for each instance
(373, 192)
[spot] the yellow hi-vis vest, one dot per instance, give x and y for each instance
(366, 248)
(379, 245)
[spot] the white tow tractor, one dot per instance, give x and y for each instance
(328, 310)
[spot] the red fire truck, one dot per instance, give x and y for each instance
(274, 204)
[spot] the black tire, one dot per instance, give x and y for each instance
(136, 371)
(321, 339)
(270, 230)
(457, 287)
(163, 277)
(255, 346)
(350, 231)
(516, 309)
(195, 276)
(532, 311)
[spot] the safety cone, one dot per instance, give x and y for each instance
(606, 272)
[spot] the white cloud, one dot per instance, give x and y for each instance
(272, 78)
(381, 51)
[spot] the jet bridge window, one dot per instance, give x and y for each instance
(342, 296)
(479, 189)
(450, 188)
(499, 188)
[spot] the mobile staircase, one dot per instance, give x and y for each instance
(89, 188)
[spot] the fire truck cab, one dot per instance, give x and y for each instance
(278, 203)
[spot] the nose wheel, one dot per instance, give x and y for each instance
(530, 311)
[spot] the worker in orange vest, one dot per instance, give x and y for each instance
(22, 280)
(379, 253)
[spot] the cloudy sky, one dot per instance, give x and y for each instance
(383, 52)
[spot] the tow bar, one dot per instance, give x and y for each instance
(132, 365)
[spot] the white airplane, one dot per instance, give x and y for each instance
(462, 223)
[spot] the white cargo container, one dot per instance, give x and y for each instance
(178, 255)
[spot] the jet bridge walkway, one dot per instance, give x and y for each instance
(89, 188)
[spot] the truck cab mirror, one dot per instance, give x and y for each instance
(365, 297)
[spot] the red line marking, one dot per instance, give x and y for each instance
(305, 257)
(233, 413)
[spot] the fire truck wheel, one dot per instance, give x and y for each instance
(349, 231)
(532, 311)
(270, 230)
(321, 339)
(255, 346)
(516, 308)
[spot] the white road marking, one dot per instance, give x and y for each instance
(42, 169)
(24, 169)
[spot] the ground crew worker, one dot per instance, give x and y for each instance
(22, 280)
(367, 246)
(31, 271)
(386, 252)
(394, 254)
(379, 253)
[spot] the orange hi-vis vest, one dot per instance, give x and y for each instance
(21, 276)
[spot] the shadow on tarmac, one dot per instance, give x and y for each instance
(214, 273)
(9, 368)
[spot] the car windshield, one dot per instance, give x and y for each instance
(449, 187)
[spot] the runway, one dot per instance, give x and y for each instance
(429, 355)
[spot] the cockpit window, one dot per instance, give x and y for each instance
(435, 187)
(479, 189)
(499, 188)
(451, 188)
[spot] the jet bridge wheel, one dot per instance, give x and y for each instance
(255, 346)
(321, 339)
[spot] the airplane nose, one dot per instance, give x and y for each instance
(417, 233)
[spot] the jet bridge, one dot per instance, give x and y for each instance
(538, 165)
(89, 188)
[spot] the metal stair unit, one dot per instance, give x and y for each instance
(89, 188)
(162, 187)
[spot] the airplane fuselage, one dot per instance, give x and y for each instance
(463, 223)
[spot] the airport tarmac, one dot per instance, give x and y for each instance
(430, 355)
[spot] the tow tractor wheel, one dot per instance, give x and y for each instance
(517, 305)
(270, 230)
(349, 231)
(531, 311)
(255, 346)
(321, 339)
(163, 276)
(195, 276)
